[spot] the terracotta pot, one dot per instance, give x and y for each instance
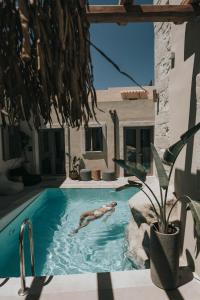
(96, 175)
(164, 257)
(74, 175)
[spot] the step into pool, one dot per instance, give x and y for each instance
(99, 247)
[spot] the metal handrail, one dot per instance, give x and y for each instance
(24, 290)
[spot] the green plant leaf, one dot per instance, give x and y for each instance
(173, 151)
(170, 155)
(195, 209)
(133, 169)
(162, 176)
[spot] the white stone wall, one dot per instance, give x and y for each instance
(179, 109)
(162, 68)
(163, 49)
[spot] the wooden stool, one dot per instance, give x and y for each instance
(96, 174)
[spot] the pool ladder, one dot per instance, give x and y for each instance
(24, 290)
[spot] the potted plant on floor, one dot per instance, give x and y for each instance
(74, 172)
(164, 235)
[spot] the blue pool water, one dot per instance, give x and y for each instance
(99, 247)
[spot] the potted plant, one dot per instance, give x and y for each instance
(164, 236)
(74, 172)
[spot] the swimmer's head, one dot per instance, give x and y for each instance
(113, 204)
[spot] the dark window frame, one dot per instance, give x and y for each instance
(11, 142)
(94, 142)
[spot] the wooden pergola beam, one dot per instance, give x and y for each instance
(185, 2)
(141, 13)
(126, 2)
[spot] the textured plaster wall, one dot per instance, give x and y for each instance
(179, 109)
(128, 112)
(163, 44)
(138, 112)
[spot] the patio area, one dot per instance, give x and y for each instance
(64, 115)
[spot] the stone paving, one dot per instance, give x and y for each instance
(102, 286)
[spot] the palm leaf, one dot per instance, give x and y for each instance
(133, 169)
(173, 151)
(195, 209)
(162, 176)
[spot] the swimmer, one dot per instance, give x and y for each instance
(92, 215)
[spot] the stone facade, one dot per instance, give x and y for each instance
(163, 45)
(177, 80)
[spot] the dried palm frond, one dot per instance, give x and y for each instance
(45, 62)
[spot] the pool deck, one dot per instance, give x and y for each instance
(102, 286)
(69, 183)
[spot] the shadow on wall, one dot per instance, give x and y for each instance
(192, 47)
(186, 182)
(82, 164)
(115, 120)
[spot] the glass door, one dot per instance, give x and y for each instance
(137, 146)
(52, 151)
(146, 138)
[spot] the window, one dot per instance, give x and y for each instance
(93, 139)
(11, 141)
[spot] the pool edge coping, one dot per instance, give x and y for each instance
(88, 283)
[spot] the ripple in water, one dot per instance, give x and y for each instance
(99, 247)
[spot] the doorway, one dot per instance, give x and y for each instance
(137, 146)
(52, 151)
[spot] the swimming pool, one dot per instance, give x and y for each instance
(99, 247)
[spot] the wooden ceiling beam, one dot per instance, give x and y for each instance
(126, 2)
(141, 13)
(185, 2)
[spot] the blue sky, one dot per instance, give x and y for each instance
(130, 46)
